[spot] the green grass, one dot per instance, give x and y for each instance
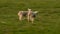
(46, 22)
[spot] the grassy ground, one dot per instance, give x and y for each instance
(46, 22)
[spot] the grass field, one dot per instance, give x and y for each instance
(46, 22)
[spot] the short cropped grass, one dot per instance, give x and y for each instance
(47, 21)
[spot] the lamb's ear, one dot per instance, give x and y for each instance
(18, 12)
(36, 12)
